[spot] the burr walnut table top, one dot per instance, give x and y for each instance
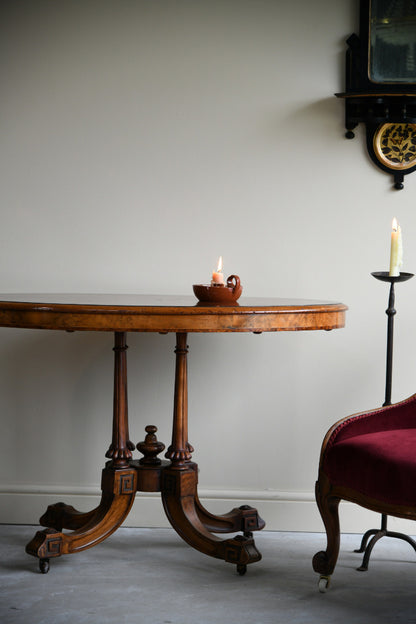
(166, 313)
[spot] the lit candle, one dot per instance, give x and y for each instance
(396, 249)
(217, 276)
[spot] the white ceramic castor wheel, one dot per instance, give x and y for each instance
(323, 583)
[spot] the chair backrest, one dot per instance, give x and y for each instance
(400, 415)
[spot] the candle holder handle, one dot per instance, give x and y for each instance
(391, 311)
(233, 281)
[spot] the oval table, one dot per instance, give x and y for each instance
(176, 476)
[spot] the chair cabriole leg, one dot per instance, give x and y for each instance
(324, 561)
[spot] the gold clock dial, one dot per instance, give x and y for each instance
(395, 145)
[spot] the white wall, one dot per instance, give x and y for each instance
(139, 141)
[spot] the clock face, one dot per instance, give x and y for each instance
(395, 145)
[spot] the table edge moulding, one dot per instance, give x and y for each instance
(151, 313)
(68, 530)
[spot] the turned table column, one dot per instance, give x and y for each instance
(180, 451)
(120, 447)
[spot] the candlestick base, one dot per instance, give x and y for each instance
(220, 293)
(385, 277)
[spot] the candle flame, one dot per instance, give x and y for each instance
(219, 267)
(394, 225)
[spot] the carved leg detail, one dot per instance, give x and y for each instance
(324, 562)
(119, 489)
(61, 516)
(179, 500)
(242, 518)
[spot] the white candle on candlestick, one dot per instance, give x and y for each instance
(217, 276)
(396, 249)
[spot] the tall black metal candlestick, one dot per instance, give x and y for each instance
(383, 532)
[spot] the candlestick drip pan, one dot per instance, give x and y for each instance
(385, 277)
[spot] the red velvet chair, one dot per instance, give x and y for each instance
(368, 459)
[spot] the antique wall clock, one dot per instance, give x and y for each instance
(381, 84)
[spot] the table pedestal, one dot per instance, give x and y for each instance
(176, 479)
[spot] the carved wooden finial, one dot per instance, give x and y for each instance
(150, 448)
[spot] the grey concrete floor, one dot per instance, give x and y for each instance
(150, 576)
